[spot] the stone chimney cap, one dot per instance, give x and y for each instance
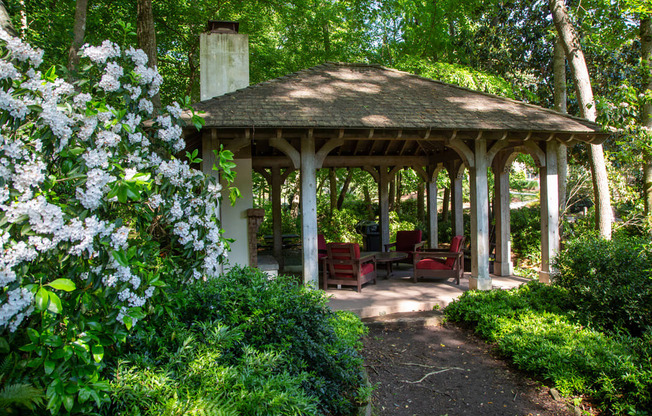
(223, 26)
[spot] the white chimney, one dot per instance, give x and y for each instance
(223, 59)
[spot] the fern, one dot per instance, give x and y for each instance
(22, 395)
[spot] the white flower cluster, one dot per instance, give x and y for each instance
(20, 50)
(16, 308)
(106, 144)
(99, 54)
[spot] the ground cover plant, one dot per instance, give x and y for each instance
(243, 344)
(536, 326)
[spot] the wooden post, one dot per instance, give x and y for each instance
(457, 200)
(433, 225)
(503, 263)
(254, 219)
(309, 212)
(480, 278)
(383, 202)
(549, 210)
(277, 220)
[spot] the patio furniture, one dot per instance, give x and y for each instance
(347, 268)
(407, 242)
(386, 258)
(440, 264)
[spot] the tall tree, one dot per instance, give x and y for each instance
(575, 56)
(559, 70)
(78, 31)
(5, 20)
(332, 181)
(147, 37)
(646, 109)
(345, 188)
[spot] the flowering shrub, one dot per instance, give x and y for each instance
(95, 214)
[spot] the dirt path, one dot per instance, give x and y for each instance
(445, 370)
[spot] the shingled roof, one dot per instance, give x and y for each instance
(351, 96)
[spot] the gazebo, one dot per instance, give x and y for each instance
(382, 120)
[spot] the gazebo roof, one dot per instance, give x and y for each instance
(362, 96)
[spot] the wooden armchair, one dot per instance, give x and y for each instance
(440, 264)
(347, 268)
(407, 242)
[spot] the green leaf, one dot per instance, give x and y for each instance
(68, 402)
(76, 151)
(41, 299)
(134, 195)
(33, 335)
(49, 366)
(28, 347)
(121, 258)
(98, 353)
(128, 322)
(4, 346)
(234, 194)
(84, 395)
(122, 193)
(66, 285)
(55, 303)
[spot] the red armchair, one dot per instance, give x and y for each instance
(347, 268)
(441, 264)
(407, 242)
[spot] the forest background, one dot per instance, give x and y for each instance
(500, 47)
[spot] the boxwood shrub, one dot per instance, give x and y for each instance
(610, 282)
(535, 326)
(245, 342)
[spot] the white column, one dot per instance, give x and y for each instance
(383, 202)
(549, 211)
(480, 278)
(457, 202)
(234, 217)
(309, 212)
(503, 264)
(433, 225)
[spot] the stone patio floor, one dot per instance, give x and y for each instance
(398, 294)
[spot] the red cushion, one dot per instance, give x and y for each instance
(367, 268)
(432, 264)
(321, 242)
(455, 247)
(344, 254)
(405, 240)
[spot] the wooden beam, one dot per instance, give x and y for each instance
(266, 175)
(326, 149)
(284, 146)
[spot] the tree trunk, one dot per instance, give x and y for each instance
(559, 64)
(392, 194)
(399, 191)
(78, 32)
(333, 188)
(603, 214)
(5, 20)
(446, 204)
(345, 188)
(421, 210)
(367, 200)
(147, 38)
(646, 110)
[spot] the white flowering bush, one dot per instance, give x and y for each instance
(95, 215)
